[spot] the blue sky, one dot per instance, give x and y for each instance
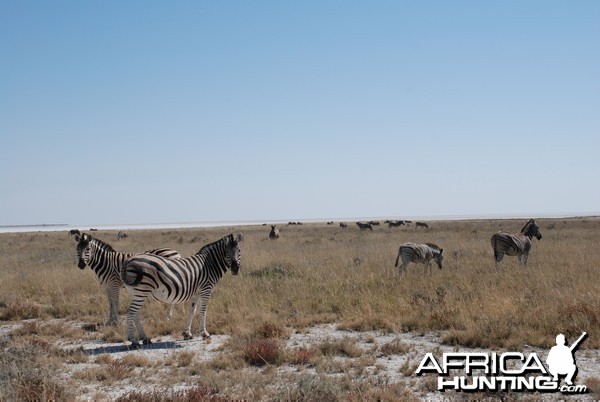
(153, 112)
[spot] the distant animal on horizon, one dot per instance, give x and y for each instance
(395, 224)
(106, 263)
(274, 234)
(175, 281)
(330, 223)
(374, 223)
(419, 253)
(364, 225)
(421, 225)
(122, 235)
(343, 225)
(515, 244)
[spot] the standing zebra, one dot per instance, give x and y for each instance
(106, 264)
(515, 244)
(364, 226)
(176, 281)
(419, 253)
(274, 234)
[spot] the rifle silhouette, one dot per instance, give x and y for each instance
(576, 343)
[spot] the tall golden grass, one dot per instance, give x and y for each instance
(318, 273)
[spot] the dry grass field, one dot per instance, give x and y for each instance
(314, 274)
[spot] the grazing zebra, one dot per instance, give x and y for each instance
(421, 225)
(176, 281)
(106, 263)
(364, 225)
(395, 224)
(274, 234)
(515, 244)
(343, 225)
(419, 253)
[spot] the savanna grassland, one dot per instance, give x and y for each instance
(313, 274)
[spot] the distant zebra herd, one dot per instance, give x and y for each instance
(163, 274)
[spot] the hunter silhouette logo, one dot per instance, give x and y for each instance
(560, 359)
(509, 371)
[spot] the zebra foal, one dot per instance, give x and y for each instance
(515, 244)
(176, 281)
(419, 253)
(106, 263)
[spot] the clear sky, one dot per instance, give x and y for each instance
(153, 112)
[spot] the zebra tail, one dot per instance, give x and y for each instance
(398, 258)
(494, 241)
(138, 274)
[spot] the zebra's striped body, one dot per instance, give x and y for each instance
(419, 253)
(106, 263)
(515, 244)
(364, 225)
(177, 281)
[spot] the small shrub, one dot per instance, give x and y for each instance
(262, 351)
(395, 347)
(271, 330)
(343, 347)
(20, 309)
(303, 356)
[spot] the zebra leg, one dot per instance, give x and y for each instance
(133, 318)
(113, 302)
(170, 312)
(204, 298)
(498, 257)
(523, 259)
(187, 331)
(403, 267)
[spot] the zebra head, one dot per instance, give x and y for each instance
(531, 229)
(439, 257)
(83, 249)
(233, 253)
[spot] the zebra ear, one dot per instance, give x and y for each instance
(441, 251)
(239, 238)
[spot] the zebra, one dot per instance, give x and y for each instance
(419, 253)
(106, 263)
(515, 244)
(274, 234)
(343, 225)
(364, 226)
(421, 225)
(177, 281)
(392, 224)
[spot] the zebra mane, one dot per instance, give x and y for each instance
(530, 223)
(211, 245)
(103, 245)
(434, 246)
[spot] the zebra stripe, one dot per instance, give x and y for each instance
(419, 253)
(106, 263)
(515, 244)
(177, 281)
